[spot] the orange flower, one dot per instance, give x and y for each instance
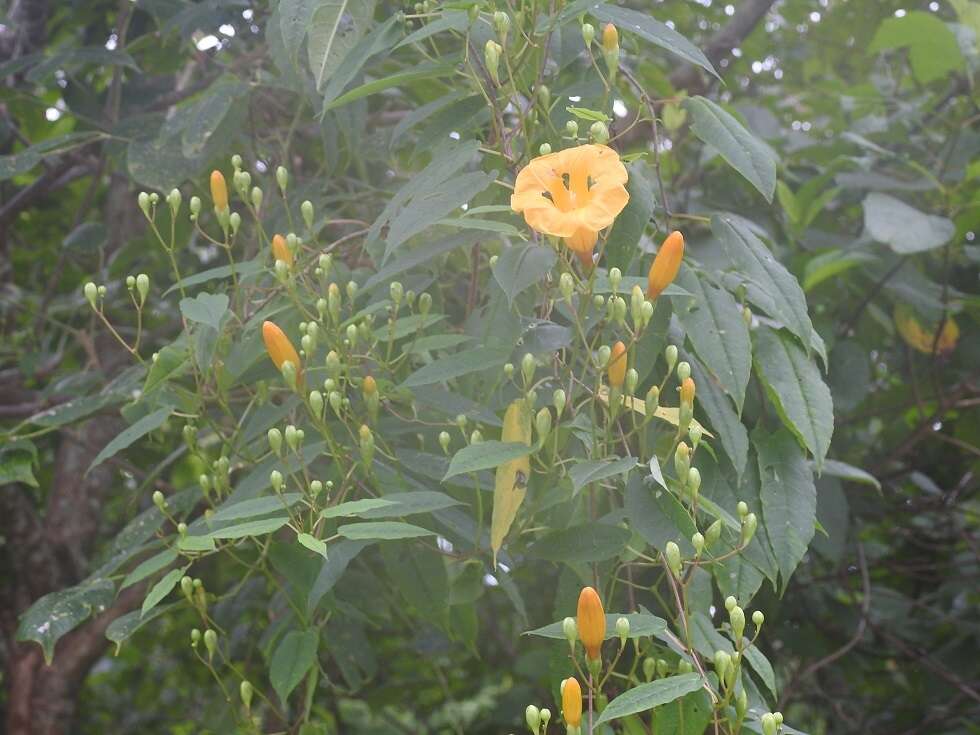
(591, 622)
(571, 702)
(370, 386)
(666, 264)
(219, 190)
(610, 38)
(280, 349)
(281, 251)
(687, 391)
(617, 366)
(572, 194)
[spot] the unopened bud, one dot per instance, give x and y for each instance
(684, 372)
(566, 284)
(742, 509)
(570, 628)
(282, 178)
(622, 630)
(697, 541)
(722, 663)
(671, 354)
(316, 403)
(599, 132)
(682, 460)
(694, 480)
(527, 367)
(532, 716)
(159, 500)
(275, 479)
(501, 21)
(245, 689)
(758, 618)
(143, 286)
(768, 722)
(571, 127)
(544, 149)
(588, 34)
(444, 440)
(713, 533)
(736, 617)
(508, 370)
(306, 209)
(91, 292)
(748, 528)
(673, 555)
(545, 717)
(649, 668)
(652, 401)
(542, 422)
(491, 57)
(210, 642)
(602, 356)
(559, 399)
(144, 201)
(195, 206)
(632, 378)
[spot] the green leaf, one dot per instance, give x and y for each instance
(229, 511)
(17, 467)
(768, 284)
(410, 325)
(382, 531)
(450, 20)
(205, 308)
(241, 270)
(658, 517)
(413, 258)
(436, 342)
(354, 508)
(583, 113)
(23, 161)
(295, 655)
(141, 428)
(744, 152)
(836, 468)
(455, 366)
(645, 697)
(380, 39)
(295, 17)
(422, 72)
(171, 362)
(122, 628)
(714, 325)
(832, 263)
(729, 429)
(788, 498)
(71, 411)
(201, 120)
(520, 267)
(934, 51)
(641, 24)
(335, 27)
(149, 567)
(485, 455)
(760, 664)
(904, 229)
(411, 503)
(793, 384)
(621, 245)
(340, 556)
(58, 613)
(251, 528)
(583, 473)
(641, 625)
(586, 543)
(482, 225)
(161, 589)
(313, 544)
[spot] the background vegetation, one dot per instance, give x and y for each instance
(850, 154)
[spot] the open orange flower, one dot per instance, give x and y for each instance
(572, 194)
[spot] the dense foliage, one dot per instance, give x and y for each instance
(357, 356)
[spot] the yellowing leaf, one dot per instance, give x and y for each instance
(510, 485)
(922, 339)
(664, 413)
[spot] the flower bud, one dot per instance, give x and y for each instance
(528, 366)
(778, 717)
(280, 349)
(652, 401)
(187, 588)
(256, 198)
(292, 437)
(622, 630)
(610, 37)
(544, 149)
(683, 373)
(694, 433)
(649, 668)
(476, 437)
(742, 509)
(205, 482)
(768, 722)
(694, 480)
(333, 364)
(275, 479)
(545, 717)
(143, 286)
(491, 58)
(748, 528)
(671, 356)
(91, 292)
(306, 209)
(501, 22)
(219, 191)
(444, 440)
(352, 290)
(236, 162)
(566, 285)
(195, 206)
(741, 703)
(542, 422)
(602, 356)
(619, 310)
(336, 402)
(130, 282)
(663, 668)
(352, 335)
(758, 618)
(508, 370)
(697, 541)
(632, 378)
(666, 264)
(588, 34)
(682, 460)
(210, 642)
(367, 445)
(234, 221)
(173, 201)
(591, 622)
(559, 399)
(532, 716)
(571, 127)
(687, 386)
(281, 251)
(316, 402)
(599, 132)
(616, 371)
(713, 533)
(722, 663)
(425, 303)
(570, 628)
(144, 202)
(571, 702)
(736, 617)
(159, 500)
(282, 178)
(672, 554)
(245, 689)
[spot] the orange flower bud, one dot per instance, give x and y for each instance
(370, 387)
(219, 190)
(591, 622)
(279, 347)
(666, 264)
(571, 702)
(617, 366)
(610, 38)
(687, 391)
(281, 251)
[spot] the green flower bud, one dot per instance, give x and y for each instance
(367, 445)
(316, 403)
(275, 479)
(694, 433)
(476, 437)
(187, 588)
(333, 364)
(673, 555)
(742, 509)
(292, 437)
(91, 292)
(683, 371)
(501, 21)
(748, 528)
(588, 34)
(352, 290)
(306, 209)
(722, 663)
(622, 630)
(566, 285)
(397, 292)
(694, 480)
(615, 278)
(352, 335)
(632, 378)
(741, 703)
(425, 303)
(144, 202)
(282, 178)
(758, 618)
(182, 529)
(544, 149)
(778, 717)
(527, 367)
(234, 222)
(444, 440)
(542, 422)
(544, 97)
(682, 460)
(205, 482)
(159, 500)
(195, 637)
(736, 617)
(491, 58)
(545, 717)
(571, 127)
(336, 402)
(558, 399)
(532, 716)
(730, 602)
(697, 541)
(599, 132)
(474, 12)
(649, 668)
(532, 398)
(619, 310)
(602, 356)
(636, 304)
(143, 286)
(671, 354)
(236, 161)
(646, 313)
(130, 282)
(768, 722)
(713, 533)
(245, 689)
(508, 370)
(652, 401)
(570, 628)
(174, 200)
(210, 642)
(684, 667)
